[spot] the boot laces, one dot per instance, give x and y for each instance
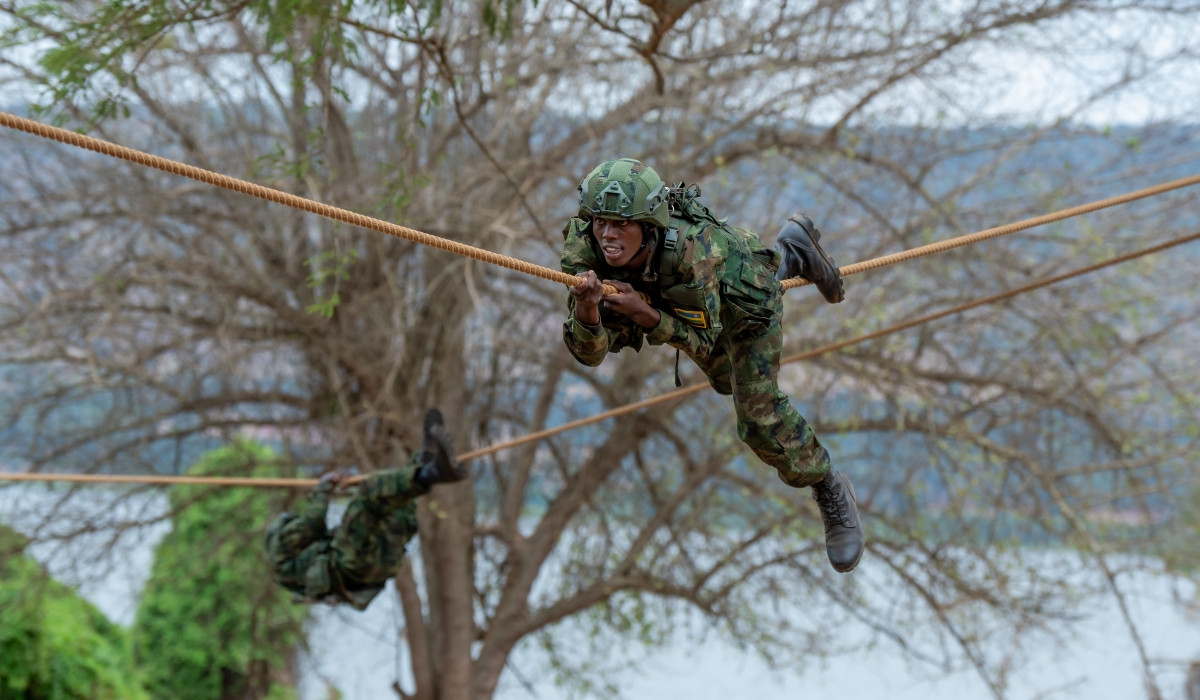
(832, 502)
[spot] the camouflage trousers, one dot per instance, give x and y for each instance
(369, 544)
(746, 366)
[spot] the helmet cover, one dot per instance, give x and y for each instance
(627, 190)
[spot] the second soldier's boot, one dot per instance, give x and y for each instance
(437, 453)
(844, 539)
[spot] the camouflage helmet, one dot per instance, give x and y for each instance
(625, 189)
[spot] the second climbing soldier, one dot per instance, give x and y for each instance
(352, 563)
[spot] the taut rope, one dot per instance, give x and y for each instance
(344, 215)
(628, 408)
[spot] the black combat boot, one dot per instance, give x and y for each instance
(839, 510)
(800, 243)
(437, 453)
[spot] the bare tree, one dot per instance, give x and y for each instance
(142, 318)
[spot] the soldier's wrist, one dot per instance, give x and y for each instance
(663, 331)
(648, 318)
(588, 318)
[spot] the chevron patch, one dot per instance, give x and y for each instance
(696, 318)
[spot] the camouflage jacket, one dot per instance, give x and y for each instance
(298, 545)
(707, 279)
(306, 559)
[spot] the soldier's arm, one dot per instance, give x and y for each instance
(588, 343)
(695, 330)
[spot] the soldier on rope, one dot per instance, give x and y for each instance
(352, 563)
(710, 291)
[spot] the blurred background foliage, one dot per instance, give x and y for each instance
(53, 644)
(212, 624)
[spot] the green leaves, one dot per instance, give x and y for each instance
(93, 59)
(498, 16)
(53, 644)
(94, 51)
(212, 624)
(320, 274)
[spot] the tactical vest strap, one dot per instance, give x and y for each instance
(668, 267)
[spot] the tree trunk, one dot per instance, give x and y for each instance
(452, 560)
(1191, 686)
(417, 634)
(447, 516)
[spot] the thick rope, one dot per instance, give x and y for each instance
(279, 197)
(272, 195)
(968, 239)
(639, 405)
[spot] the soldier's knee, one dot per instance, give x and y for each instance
(765, 387)
(760, 397)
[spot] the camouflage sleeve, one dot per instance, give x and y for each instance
(303, 530)
(701, 264)
(395, 487)
(590, 344)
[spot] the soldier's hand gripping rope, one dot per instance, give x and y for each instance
(330, 481)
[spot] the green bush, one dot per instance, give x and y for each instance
(53, 644)
(212, 624)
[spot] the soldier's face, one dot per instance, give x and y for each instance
(620, 241)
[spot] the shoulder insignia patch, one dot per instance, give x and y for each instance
(696, 318)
